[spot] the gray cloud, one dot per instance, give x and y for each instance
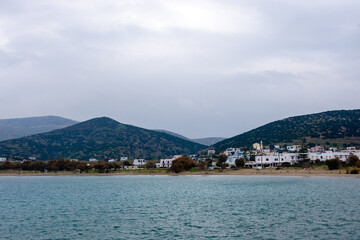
(204, 68)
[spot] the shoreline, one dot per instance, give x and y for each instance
(241, 172)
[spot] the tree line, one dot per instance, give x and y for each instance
(65, 165)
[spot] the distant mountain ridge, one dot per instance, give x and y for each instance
(21, 127)
(101, 138)
(205, 141)
(208, 141)
(332, 127)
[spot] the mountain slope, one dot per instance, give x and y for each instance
(98, 138)
(20, 127)
(208, 141)
(334, 126)
(204, 141)
(172, 134)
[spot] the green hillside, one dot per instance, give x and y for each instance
(21, 127)
(99, 138)
(331, 128)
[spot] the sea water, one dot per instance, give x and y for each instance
(179, 207)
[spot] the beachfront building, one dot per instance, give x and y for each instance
(274, 159)
(342, 155)
(231, 159)
(139, 162)
(165, 163)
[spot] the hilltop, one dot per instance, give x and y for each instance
(333, 128)
(21, 127)
(100, 138)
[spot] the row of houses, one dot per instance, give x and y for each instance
(274, 159)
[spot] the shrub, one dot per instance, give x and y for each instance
(181, 164)
(352, 159)
(354, 171)
(240, 162)
(333, 163)
(358, 164)
(150, 165)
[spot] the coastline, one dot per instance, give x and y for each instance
(240, 172)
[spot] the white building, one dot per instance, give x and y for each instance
(92, 160)
(272, 160)
(165, 163)
(123, 158)
(343, 155)
(293, 148)
(2, 159)
(139, 162)
(231, 159)
(231, 151)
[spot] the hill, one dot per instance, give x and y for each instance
(99, 138)
(204, 141)
(332, 128)
(172, 134)
(208, 141)
(21, 127)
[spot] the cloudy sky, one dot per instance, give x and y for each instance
(200, 68)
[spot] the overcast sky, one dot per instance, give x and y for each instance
(199, 68)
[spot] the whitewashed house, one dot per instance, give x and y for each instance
(272, 160)
(165, 163)
(139, 162)
(2, 159)
(293, 148)
(231, 159)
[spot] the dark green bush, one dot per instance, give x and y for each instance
(333, 163)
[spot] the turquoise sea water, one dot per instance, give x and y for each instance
(183, 207)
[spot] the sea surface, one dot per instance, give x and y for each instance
(179, 207)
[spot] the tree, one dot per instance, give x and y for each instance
(181, 164)
(221, 161)
(240, 162)
(102, 166)
(150, 165)
(202, 165)
(333, 163)
(38, 166)
(352, 159)
(303, 154)
(126, 163)
(310, 145)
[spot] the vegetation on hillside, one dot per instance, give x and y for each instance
(100, 138)
(332, 127)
